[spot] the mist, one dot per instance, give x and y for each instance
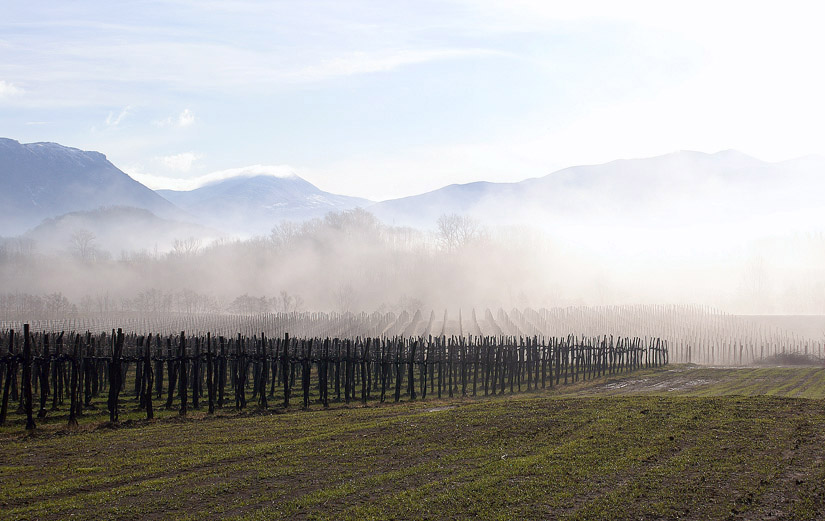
(351, 261)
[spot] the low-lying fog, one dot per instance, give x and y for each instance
(350, 261)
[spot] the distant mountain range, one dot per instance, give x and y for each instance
(42, 180)
(253, 204)
(679, 189)
(46, 181)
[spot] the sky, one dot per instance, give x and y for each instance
(385, 99)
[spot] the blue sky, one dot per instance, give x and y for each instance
(384, 99)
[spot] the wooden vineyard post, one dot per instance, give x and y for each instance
(384, 370)
(196, 374)
(512, 366)
(430, 363)
(306, 368)
(74, 389)
(273, 366)
(502, 362)
(347, 370)
(210, 381)
(450, 346)
(172, 368)
(221, 371)
(240, 373)
(485, 369)
(422, 373)
(115, 376)
(323, 374)
(11, 362)
(27, 378)
(81, 377)
(461, 367)
(411, 371)
(439, 346)
(148, 379)
(256, 366)
(139, 382)
(474, 346)
(56, 373)
(44, 376)
(263, 374)
(182, 374)
(285, 369)
(90, 363)
(529, 358)
(158, 368)
(365, 371)
(399, 373)
(140, 373)
(337, 347)
(368, 366)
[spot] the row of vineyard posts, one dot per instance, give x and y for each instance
(223, 371)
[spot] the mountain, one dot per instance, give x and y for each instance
(679, 189)
(115, 229)
(42, 180)
(252, 204)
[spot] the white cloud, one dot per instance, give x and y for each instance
(179, 162)
(8, 89)
(113, 120)
(366, 62)
(159, 182)
(184, 119)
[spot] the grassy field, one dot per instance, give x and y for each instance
(679, 443)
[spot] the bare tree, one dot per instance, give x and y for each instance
(457, 231)
(186, 247)
(288, 303)
(285, 234)
(83, 244)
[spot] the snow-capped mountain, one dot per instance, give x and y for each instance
(42, 180)
(253, 204)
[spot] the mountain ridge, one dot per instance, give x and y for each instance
(254, 204)
(42, 180)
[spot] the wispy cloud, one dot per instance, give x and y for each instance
(159, 182)
(114, 119)
(179, 162)
(8, 89)
(360, 62)
(184, 119)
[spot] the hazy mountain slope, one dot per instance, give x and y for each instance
(254, 204)
(41, 180)
(682, 188)
(115, 229)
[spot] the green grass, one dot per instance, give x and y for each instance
(679, 443)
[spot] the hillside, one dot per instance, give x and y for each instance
(43, 180)
(115, 229)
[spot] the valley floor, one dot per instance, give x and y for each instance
(677, 443)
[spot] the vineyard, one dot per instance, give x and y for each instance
(215, 361)
(693, 334)
(222, 371)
